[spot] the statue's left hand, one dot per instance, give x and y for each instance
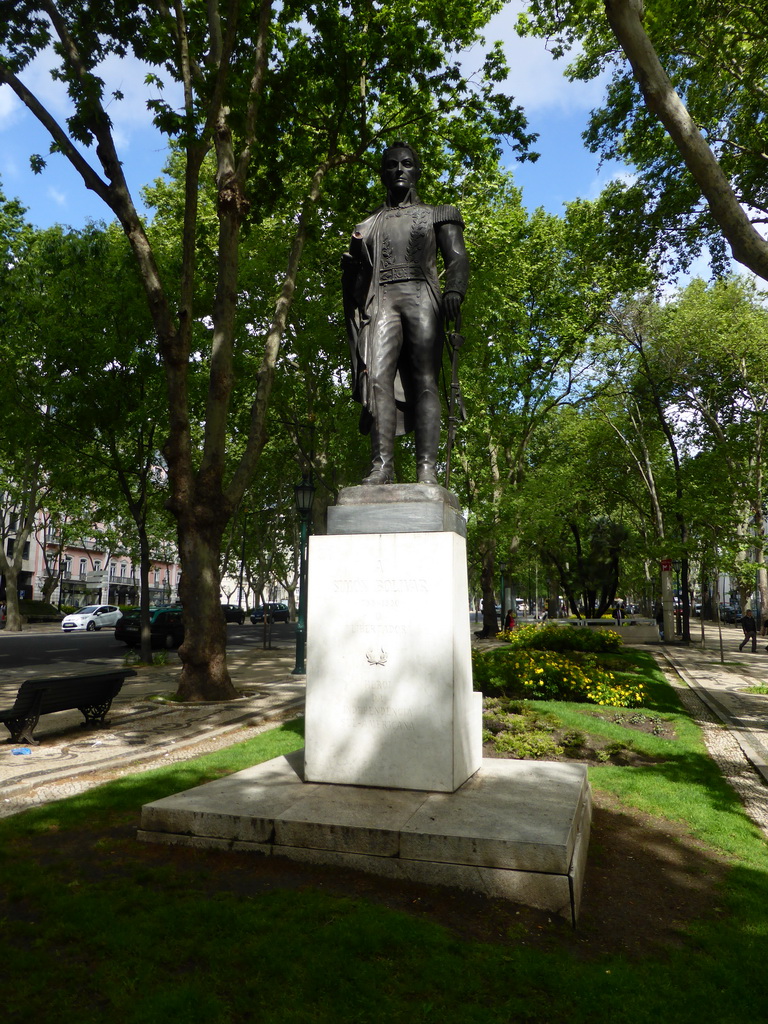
(451, 306)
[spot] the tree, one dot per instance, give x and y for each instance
(25, 419)
(63, 519)
(579, 508)
(104, 395)
(21, 498)
(541, 289)
(711, 343)
(641, 387)
(685, 395)
(697, 73)
(283, 97)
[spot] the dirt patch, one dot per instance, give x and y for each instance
(518, 730)
(646, 881)
(591, 751)
(639, 721)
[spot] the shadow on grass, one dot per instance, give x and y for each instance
(192, 936)
(118, 934)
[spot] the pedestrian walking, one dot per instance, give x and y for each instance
(749, 626)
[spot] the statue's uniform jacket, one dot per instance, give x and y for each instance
(394, 245)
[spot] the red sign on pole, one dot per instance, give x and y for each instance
(666, 565)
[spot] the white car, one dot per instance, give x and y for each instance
(93, 616)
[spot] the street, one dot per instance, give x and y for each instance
(45, 650)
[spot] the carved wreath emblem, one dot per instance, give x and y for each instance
(377, 659)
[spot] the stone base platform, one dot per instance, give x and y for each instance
(516, 829)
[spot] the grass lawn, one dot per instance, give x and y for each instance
(97, 927)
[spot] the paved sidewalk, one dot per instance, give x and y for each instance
(141, 732)
(722, 685)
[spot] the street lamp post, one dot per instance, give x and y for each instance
(305, 492)
(502, 570)
(677, 599)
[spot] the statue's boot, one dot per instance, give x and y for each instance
(427, 436)
(382, 439)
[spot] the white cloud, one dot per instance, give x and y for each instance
(9, 167)
(536, 80)
(10, 107)
(37, 78)
(56, 196)
(127, 76)
(124, 75)
(599, 182)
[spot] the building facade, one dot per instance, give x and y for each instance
(87, 572)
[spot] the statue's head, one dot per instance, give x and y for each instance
(400, 167)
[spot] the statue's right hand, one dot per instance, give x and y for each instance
(451, 306)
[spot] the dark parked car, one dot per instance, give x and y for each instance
(233, 613)
(165, 624)
(277, 611)
(729, 614)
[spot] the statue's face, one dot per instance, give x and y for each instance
(399, 170)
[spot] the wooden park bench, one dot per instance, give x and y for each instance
(91, 694)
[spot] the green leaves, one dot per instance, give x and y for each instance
(714, 57)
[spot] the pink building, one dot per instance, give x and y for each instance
(86, 572)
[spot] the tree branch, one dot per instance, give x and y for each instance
(625, 20)
(63, 142)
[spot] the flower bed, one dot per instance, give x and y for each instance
(538, 664)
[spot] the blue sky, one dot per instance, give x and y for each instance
(556, 109)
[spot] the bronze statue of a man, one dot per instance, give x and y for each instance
(396, 314)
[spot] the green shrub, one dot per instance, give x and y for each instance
(551, 637)
(531, 745)
(519, 729)
(573, 739)
(39, 611)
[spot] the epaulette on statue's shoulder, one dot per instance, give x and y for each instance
(447, 215)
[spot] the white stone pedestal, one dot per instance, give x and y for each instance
(517, 829)
(391, 780)
(389, 674)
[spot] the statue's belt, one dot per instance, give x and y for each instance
(402, 272)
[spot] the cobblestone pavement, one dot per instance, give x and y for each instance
(142, 733)
(712, 684)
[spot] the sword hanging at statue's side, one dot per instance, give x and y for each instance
(456, 410)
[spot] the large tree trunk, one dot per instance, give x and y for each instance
(10, 567)
(204, 673)
(12, 613)
(49, 585)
